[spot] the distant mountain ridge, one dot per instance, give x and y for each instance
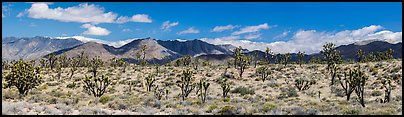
(37, 47)
(31, 48)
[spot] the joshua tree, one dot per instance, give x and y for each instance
(225, 87)
(301, 55)
(202, 89)
(332, 57)
(73, 65)
(94, 65)
(347, 83)
(360, 81)
(196, 63)
(285, 58)
(255, 59)
(185, 84)
(23, 76)
(122, 63)
(96, 85)
(58, 69)
(264, 72)
(240, 61)
(51, 59)
(389, 54)
(303, 83)
(149, 81)
(64, 61)
(82, 59)
(360, 55)
(43, 62)
(268, 55)
(387, 90)
(143, 51)
(158, 93)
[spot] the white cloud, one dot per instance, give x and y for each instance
(167, 25)
(311, 41)
(126, 30)
(3, 9)
(115, 44)
(94, 30)
(144, 18)
(223, 28)
(253, 36)
(21, 14)
(282, 35)
(250, 29)
(82, 13)
(189, 31)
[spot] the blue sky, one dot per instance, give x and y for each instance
(262, 22)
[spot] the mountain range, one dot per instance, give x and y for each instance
(157, 50)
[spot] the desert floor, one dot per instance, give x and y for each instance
(276, 96)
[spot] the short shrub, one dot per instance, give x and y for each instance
(267, 107)
(243, 91)
(227, 110)
(105, 98)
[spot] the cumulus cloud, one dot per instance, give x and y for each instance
(190, 30)
(144, 18)
(167, 25)
(94, 30)
(83, 13)
(311, 41)
(223, 28)
(251, 29)
(86, 39)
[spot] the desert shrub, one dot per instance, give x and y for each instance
(211, 107)
(291, 92)
(9, 94)
(227, 110)
(350, 111)
(92, 111)
(243, 91)
(118, 105)
(52, 100)
(105, 98)
(268, 106)
(55, 83)
(226, 99)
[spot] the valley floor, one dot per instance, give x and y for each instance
(276, 96)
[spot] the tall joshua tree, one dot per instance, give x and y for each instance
(241, 61)
(332, 57)
(268, 55)
(301, 55)
(143, 52)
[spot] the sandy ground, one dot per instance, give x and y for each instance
(54, 97)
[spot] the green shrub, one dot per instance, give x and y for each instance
(268, 106)
(105, 98)
(226, 99)
(243, 91)
(227, 110)
(211, 107)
